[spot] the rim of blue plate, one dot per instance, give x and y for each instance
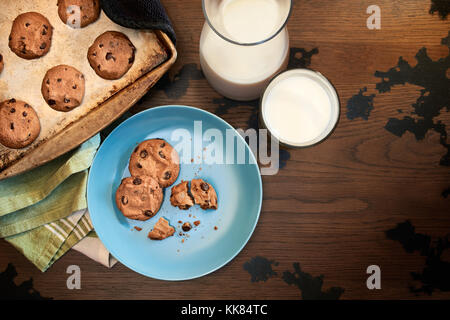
(251, 156)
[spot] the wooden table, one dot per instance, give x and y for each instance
(338, 207)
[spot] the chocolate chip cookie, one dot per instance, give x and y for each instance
(1, 63)
(78, 13)
(139, 197)
(204, 194)
(111, 55)
(155, 158)
(180, 196)
(63, 88)
(161, 230)
(31, 35)
(19, 124)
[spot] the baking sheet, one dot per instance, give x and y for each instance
(21, 79)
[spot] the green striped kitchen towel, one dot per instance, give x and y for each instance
(43, 211)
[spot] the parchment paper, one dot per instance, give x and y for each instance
(21, 79)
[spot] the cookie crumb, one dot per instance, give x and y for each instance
(215, 228)
(186, 226)
(137, 228)
(197, 222)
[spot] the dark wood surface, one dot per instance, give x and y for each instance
(330, 206)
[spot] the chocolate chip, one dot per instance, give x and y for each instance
(27, 24)
(12, 100)
(139, 166)
(186, 226)
(163, 145)
(74, 86)
(48, 81)
(66, 100)
(26, 105)
(136, 149)
(12, 110)
(161, 154)
(148, 213)
(143, 154)
(124, 200)
(59, 79)
(24, 114)
(94, 54)
(110, 56)
(131, 60)
(137, 181)
(1, 58)
(204, 186)
(51, 102)
(12, 126)
(43, 46)
(44, 32)
(45, 26)
(99, 67)
(101, 45)
(167, 175)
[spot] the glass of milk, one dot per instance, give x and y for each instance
(243, 44)
(299, 107)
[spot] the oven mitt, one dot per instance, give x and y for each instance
(139, 14)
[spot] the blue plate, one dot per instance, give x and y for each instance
(205, 248)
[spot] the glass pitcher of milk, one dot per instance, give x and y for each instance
(243, 44)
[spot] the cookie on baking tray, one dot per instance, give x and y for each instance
(1, 63)
(155, 158)
(19, 124)
(31, 35)
(111, 55)
(63, 88)
(139, 197)
(180, 196)
(78, 13)
(204, 194)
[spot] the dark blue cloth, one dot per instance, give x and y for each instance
(139, 14)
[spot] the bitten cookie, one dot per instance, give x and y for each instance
(78, 13)
(155, 158)
(63, 87)
(139, 198)
(161, 230)
(1, 63)
(180, 196)
(19, 124)
(204, 194)
(31, 35)
(111, 55)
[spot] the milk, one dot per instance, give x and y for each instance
(300, 107)
(241, 72)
